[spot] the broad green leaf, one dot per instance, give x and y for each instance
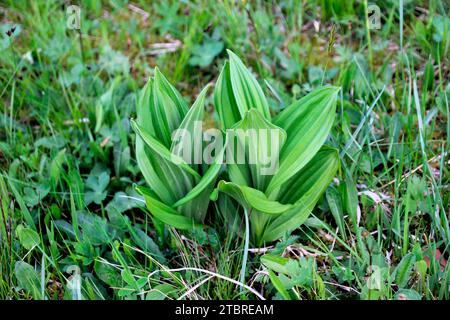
(65, 227)
(34, 196)
(152, 167)
(247, 91)
(224, 101)
(230, 212)
(259, 142)
(167, 108)
(197, 207)
(28, 237)
(165, 170)
(143, 107)
(303, 190)
(307, 123)
(161, 150)
(165, 213)
(170, 182)
(260, 208)
(128, 278)
(204, 54)
(252, 198)
(208, 179)
(318, 172)
(120, 203)
(188, 127)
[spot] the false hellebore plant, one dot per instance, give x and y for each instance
(277, 199)
(179, 192)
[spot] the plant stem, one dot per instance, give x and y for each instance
(245, 256)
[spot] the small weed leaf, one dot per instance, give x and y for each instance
(28, 279)
(28, 237)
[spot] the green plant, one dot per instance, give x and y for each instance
(276, 203)
(293, 278)
(179, 192)
(67, 160)
(280, 203)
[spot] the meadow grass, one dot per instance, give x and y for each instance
(68, 171)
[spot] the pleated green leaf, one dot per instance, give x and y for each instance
(277, 171)
(224, 101)
(143, 107)
(208, 179)
(252, 199)
(165, 213)
(303, 190)
(149, 162)
(253, 136)
(169, 181)
(167, 109)
(175, 182)
(197, 207)
(189, 134)
(307, 123)
(246, 90)
(162, 151)
(230, 212)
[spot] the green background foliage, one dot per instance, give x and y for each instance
(70, 164)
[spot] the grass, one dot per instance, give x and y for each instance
(68, 170)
